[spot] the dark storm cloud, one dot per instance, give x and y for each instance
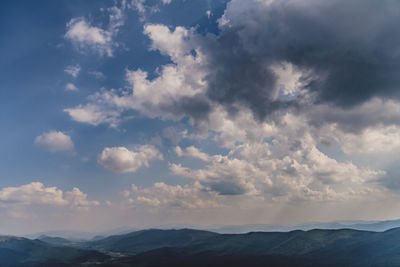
(239, 76)
(197, 107)
(374, 113)
(352, 49)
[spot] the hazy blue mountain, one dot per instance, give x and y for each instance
(377, 226)
(80, 235)
(55, 240)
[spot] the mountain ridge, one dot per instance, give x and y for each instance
(191, 247)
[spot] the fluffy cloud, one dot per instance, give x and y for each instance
(272, 103)
(243, 68)
(289, 166)
(123, 160)
(36, 194)
(55, 141)
(371, 140)
(161, 195)
(33, 193)
(182, 83)
(73, 70)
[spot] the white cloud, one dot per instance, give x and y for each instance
(372, 127)
(73, 70)
(161, 195)
(71, 87)
(290, 166)
(36, 194)
(94, 115)
(179, 81)
(55, 141)
(193, 152)
(123, 160)
(78, 199)
(371, 140)
(89, 38)
(208, 13)
(290, 81)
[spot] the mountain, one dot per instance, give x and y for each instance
(18, 251)
(188, 247)
(55, 240)
(81, 236)
(145, 240)
(376, 226)
(296, 248)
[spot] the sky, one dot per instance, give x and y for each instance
(144, 113)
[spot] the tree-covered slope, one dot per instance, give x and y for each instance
(16, 251)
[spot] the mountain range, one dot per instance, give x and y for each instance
(376, 226)
(189, 247)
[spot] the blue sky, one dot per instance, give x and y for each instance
(143, 113)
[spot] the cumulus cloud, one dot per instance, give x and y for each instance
(277, 80)
(255, 66)
(182, 83)
(36, 194)
(55, 141)
(289, 166)
(73, 70)
(161, 195)
(33, 193)
(123, 160)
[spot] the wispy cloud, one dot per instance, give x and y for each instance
(73, 70)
